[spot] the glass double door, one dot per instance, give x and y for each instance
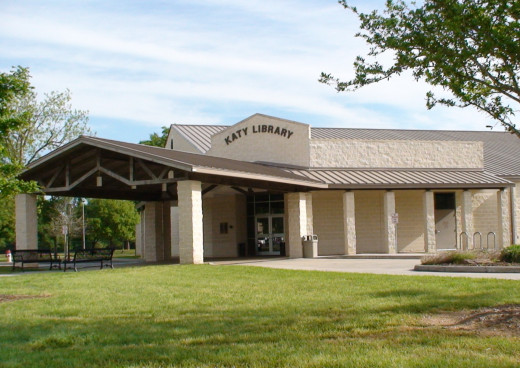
(270, 234)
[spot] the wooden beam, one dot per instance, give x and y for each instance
(67, 174)
(83, 177)
(58, 172)
(146, 169)
(240, 190)
(209, 189)
(124, 180)
(131, 173)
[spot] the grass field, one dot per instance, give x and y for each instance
(230, 316)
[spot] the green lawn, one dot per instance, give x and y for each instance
(230, 316)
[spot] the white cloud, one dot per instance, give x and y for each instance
(158, 62)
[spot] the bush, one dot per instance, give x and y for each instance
(449, 258)
(511, 254)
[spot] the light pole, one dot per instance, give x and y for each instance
(83, 219)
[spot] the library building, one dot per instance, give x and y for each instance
(267, 186)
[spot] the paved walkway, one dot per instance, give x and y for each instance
(377, 266)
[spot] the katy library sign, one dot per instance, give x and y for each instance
(256, 129)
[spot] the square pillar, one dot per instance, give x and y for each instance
(349, 223)
(167, 230)
(174, 214)
(191, 247)
(299, 222)
(26, 222)
(504, 219)
(138, 238)
(467, 220)
(515, 213)
(390, 231)
(153, 234)
(430, 242)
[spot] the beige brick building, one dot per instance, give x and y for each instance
(257, 187)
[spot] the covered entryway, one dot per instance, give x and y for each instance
(92, 167)
(445, 221)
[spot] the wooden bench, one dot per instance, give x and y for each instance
(24, 256)
(95, 255)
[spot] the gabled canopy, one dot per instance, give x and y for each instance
(100, 168)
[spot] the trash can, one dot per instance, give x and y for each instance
(310, 246)
(282, 249)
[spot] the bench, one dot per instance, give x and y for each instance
(35, 256)
(94, 255)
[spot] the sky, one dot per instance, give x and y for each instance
(139, 65)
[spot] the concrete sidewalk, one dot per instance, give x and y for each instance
(376, 266)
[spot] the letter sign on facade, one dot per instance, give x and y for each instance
(260, 128)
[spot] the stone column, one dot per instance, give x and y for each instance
(153, 237)
(504, 220)
(191, 247)
(138, 238)
(349, 223)
(430, 243)
(26, 222)
(390, 233)
(167, 230)
(515, 213)
(467, 220)
(299, 222)
(175, 230)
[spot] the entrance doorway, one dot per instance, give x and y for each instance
(445, 222)
(270, 234)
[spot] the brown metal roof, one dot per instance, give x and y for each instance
(403, 179)
(199, 135)
(191, 162)
(501, 149)
(79, 156)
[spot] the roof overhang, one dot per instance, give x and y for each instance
(100, 168)
(350, 179)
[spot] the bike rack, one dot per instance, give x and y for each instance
(494, 239)
(480, 240)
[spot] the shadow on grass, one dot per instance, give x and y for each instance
(207, 317)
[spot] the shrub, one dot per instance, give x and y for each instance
(449, 258)
(511, 254)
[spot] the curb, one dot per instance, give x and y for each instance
(469, 269)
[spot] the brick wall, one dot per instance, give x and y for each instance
(230, 209)
(282, 141)
(410, 229)
(484, 213)
(395, 154)
(369, 221)
(327, 212)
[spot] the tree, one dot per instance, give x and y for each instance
(111, 221)
(7, 221)
(14, 87)
(47, 125)
(470, 48)
(66, 216)
(156, 139)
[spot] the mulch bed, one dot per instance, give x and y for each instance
(502, 320)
